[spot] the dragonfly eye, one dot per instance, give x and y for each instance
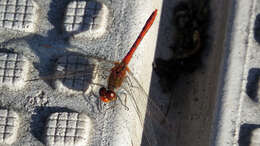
(102, 91)
(111, 95)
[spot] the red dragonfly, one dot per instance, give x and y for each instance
(115, 78)
(118, 72)
(118, 75)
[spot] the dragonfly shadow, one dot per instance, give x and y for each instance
(49, 48)
(57, 13)
(40, 117)
(62, 22)
(74, 71)
(88, 17)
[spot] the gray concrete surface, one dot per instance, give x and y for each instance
(216, 105)
(45, 33)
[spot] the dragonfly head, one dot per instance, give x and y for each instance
(106, 95)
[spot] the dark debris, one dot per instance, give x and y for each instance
(190, 22)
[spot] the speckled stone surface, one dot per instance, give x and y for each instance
(43, 42)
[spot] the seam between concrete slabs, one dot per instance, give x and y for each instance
(244, 80)
(230, 86)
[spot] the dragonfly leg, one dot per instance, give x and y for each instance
(111, 107)
(99, 102)
(124, 104)
(88, 98)
(100, 107)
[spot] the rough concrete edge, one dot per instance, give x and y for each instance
(226, 122)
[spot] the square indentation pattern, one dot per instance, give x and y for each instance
(9, 123)
(12, 70)
(67, 129)
(82, 16)
(75, 73)
(17, 14)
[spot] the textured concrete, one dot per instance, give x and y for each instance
(52, 30)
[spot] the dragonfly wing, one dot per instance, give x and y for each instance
(75, 73)
(149, 113)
